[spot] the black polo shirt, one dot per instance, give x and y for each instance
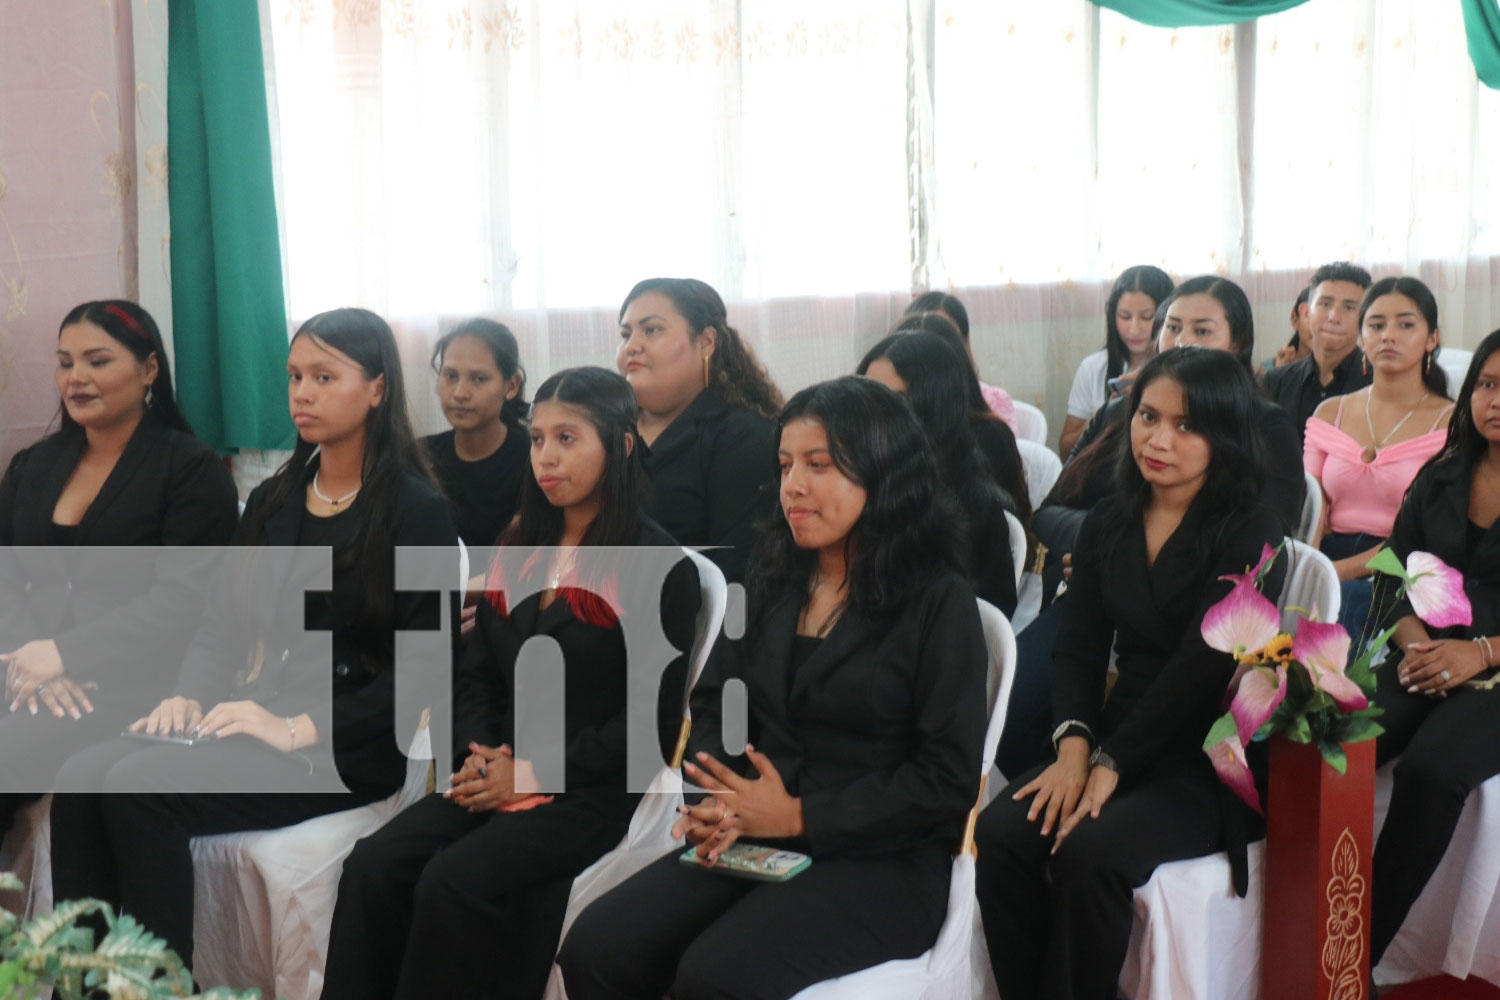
(710, 476)
(1297, 390)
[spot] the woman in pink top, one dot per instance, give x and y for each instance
(1365, 448)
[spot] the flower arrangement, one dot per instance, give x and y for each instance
(129, 962)
(1295, 683)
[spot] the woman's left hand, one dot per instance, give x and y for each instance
(232, 718)
(1437, 666)
(1100, 786)
(760, 807)
(28, 668)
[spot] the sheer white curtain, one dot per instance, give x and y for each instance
(533, 159)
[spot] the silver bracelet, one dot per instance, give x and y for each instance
(291, 729)
(1057, 734)
(1487, 657)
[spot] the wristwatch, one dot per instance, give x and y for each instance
(1101, 759)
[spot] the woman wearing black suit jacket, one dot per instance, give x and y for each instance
(865, 665)
(463, 894)
(90, 644)
(1441, 692)
(356, 483)
(1063, 847)
(706, 406)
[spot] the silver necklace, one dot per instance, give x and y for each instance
(333, 503)
(1368, 455)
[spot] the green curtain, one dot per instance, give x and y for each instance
(1196, 13)
(1482, 23)
(228, 312)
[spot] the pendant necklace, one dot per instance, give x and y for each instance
(333, 503)
(1368, 455)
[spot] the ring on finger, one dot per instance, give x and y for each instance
(1445, 675)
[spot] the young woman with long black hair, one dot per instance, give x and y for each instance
(356, 484)
(926, 370)
(865, 667)
(1063, 847)
(463, 894)
(85, 651)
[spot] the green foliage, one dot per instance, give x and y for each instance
(129, 963)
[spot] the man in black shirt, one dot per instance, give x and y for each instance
(1335, 366)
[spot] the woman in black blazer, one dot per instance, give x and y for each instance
(930, 374)
(1442, 697)
(865, 667)
(463, 894)
(705, 420)
(1063, 847)
(90, 643)
(310, 736)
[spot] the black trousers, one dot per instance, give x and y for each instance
(34, 747)
(705, 935)
(1058, 926)
(1448, 748)
(133, 849)
(444, 903)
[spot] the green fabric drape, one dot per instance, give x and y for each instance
(1197, 13)
(1482, 24)
(228, 312)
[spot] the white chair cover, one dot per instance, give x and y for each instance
(1312, 508)
(1455, 362)
(650, 833)
(1042, 467)
(1311, 588)
(949, 970)
(27, 851)
(1017, 544)
(1031, 423)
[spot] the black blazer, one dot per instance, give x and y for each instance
(167, 489)
(1434, 518)
(1171, 685)
(252, 645)
(710, 479)
(595, 712)
(880, 731)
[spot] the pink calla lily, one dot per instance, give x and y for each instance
(1324, 650)
(1266, 555)
(1228, 758)
(1436, 591)
(1242, 622)
(1259, 693)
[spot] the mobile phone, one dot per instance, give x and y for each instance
(1114, 385)
(764, 864)
(183, 740)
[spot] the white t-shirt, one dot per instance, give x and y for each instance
(1088, 393)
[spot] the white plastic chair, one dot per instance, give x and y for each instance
(1042, 467)
(1455, 361)
(948, 970)
(650, 833)
(1312, 508)
(1017, 544)
(1031, 423)
(1192, 936)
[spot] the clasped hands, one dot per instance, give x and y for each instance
(488, 778)
(1069, 789)
(1437, 666)
(34, 677)
(736, 806)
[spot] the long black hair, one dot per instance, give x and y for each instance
(1221, 403)
(903, 539)
(134, 328)
(1237, 313)
(938, 323)
(934, 377)
(734, 371)
(391, 454)
(941, 302)
(507, 354)
(608, 402)
(1433, 376)
(1464, 443)
(1150, 281)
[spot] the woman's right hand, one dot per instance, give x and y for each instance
(1058, 788)
(173, 717)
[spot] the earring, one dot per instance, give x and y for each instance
(706, 373)
(148, 396)
(1364, 363)
(1427, 363)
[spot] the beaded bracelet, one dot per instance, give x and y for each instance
(291, 729)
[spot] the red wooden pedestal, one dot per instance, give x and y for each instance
(1320, 831)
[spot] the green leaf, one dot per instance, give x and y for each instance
(1385, 561)
(1299, 731)
(1270, 563)
(10, 883)
(1221, 730)
(1334, 754)
(1361, 665)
